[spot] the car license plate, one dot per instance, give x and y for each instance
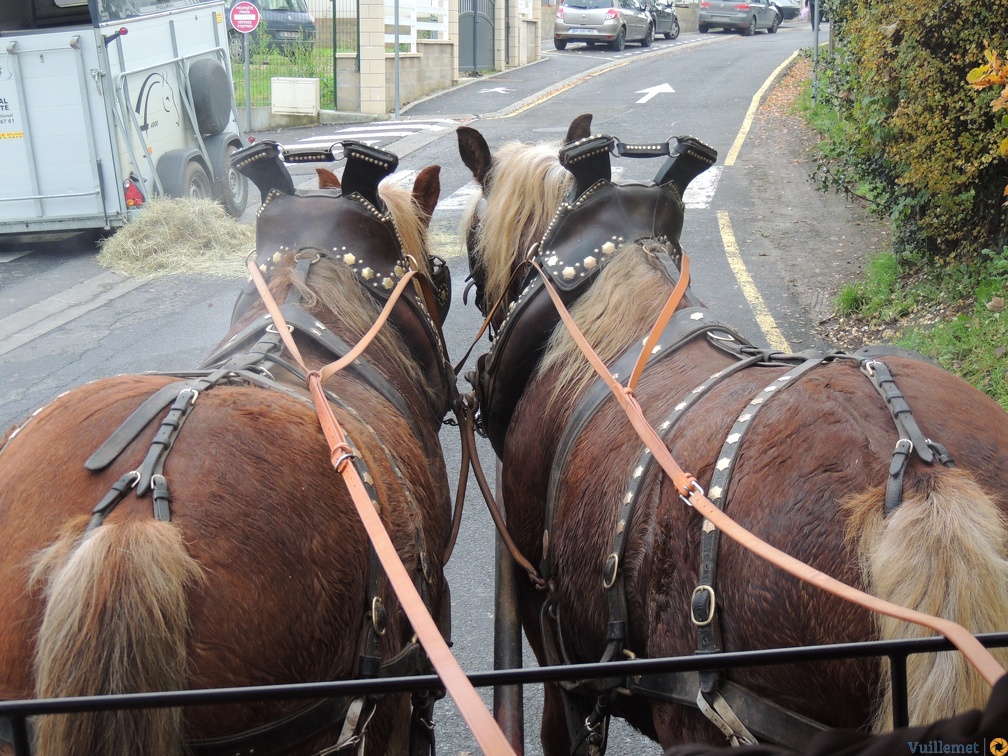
(720, 18)
(287, 35)
(583, 31)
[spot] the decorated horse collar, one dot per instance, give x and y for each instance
(598, 217)
(377, 270)
(596, 220)
(265, 164)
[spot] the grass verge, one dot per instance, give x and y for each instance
(951, 312)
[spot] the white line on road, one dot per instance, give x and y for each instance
(18, 329)
(701, 190)
(458, 199)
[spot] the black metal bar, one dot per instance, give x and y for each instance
(508, 703)
(900, 698)
(626, 668)
(19, 733)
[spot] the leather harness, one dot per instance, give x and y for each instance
(249, 358)
(253, 367)
(598, 209)
(727, 704)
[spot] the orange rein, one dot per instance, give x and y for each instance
(691, 493)
(485, 729)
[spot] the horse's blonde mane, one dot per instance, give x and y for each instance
(526, 184)
(406, 215)
(618, 309)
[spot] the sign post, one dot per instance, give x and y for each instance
(245, 18)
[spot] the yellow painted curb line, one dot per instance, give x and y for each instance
(763, 317)
(751, 113)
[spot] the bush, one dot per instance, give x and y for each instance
(914, 136)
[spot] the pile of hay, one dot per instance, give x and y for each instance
(194, 236)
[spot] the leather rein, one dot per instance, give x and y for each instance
(482, 724)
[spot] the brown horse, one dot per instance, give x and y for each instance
(878, 468)
(255, 568)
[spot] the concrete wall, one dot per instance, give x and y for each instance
(548, 16)
(688, 16)
(430, 70)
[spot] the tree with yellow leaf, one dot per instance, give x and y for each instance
(994, 73)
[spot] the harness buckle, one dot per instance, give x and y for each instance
(379, 617)
(702, 600)
(610, 571)
(693, 488)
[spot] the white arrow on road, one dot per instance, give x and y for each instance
(652, 91)
(497, 90)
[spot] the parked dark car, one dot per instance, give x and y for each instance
(746, 16)
(285, 25)
(665, 19)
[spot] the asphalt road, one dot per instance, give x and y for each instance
(64, 320)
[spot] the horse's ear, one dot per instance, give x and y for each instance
(475, 153)
(427, 189)
(327, 179)
(580, 128)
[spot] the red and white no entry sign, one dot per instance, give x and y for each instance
(244, 17)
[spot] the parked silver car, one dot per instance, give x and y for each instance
(742, 16)
(612, 22)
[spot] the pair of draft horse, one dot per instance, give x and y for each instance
(114, 598)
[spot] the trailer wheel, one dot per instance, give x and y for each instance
(236, 190)
(195, 182)
(211, 92)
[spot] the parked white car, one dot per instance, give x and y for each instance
(787, 9)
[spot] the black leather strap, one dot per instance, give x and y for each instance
(767, 720)
(703, 603)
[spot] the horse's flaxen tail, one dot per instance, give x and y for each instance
(115, 621)
(944, 552)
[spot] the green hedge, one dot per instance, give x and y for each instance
(915, 137)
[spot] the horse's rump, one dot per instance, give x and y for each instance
(255, 500)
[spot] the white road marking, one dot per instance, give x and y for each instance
(651, 92)
(701, 190)
(459, 199)
(18, 329)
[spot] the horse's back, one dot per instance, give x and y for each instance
(259, 507)
(809, 450)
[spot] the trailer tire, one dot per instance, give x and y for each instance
(236, 187)
(211, 92)
(195, 182)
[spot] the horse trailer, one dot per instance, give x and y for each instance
(107, 103)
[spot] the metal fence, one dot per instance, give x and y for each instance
(337, 35)
(14, 715)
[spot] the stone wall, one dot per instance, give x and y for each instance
(429, 70)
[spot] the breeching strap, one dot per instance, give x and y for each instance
(691, 494)
(484, 728)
